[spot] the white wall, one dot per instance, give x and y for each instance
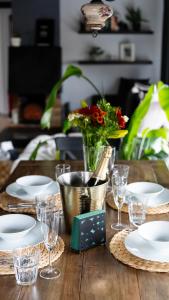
(75, 47)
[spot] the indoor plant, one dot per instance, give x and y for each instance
(97, 122)
(134, 16)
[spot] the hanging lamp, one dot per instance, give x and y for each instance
(95, 14)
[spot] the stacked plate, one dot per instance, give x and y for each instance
(18, 231)
(27, 187)
(152, 194)
(150, 241)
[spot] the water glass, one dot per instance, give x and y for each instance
(110, 169)
(26, 261)
(50, 229)
(61, 169)
(137, 211)
(119, 182)
(44, 201)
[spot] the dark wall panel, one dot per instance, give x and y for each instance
(25, 14)
(165, 48)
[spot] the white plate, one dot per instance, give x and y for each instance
(15, 190)
(139, 247)
(34, 237)
(160, 199)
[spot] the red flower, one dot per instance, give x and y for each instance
(120, 118)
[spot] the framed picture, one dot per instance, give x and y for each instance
(127, 52)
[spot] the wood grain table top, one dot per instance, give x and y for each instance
(95, 273)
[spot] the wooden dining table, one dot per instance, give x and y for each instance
(94, 273)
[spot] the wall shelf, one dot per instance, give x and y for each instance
(120, 32)
(115, 62)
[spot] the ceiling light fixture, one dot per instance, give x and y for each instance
(95, 14)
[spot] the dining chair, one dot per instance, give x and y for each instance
(70, 147)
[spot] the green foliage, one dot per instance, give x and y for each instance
(69, 72)
(134, 16)
(35, 151)
(154, 143)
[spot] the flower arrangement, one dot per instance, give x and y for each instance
(98, 122)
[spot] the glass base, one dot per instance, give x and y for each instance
(50, 273)
(120, 226)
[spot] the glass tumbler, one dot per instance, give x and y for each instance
(44, 201)
(61, 169)
(137, 211)
(26, 261)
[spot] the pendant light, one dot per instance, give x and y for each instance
(95, 14)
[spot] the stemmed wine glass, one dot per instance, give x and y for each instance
(50, 228)
(119, 182)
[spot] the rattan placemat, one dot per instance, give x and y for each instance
(117, 248)
(6, 261)
(162, 209)
(6, 199)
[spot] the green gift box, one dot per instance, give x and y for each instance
(88, 230)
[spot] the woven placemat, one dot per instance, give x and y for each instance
(162, 209)
(117, 248)
(6, 199)
(6, 261)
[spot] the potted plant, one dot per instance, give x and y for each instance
(134, 17)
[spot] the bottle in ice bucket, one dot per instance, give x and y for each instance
(101, 170)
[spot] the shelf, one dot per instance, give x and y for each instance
(119, 32)
(115, 62)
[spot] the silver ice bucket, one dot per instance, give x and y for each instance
(78, 199)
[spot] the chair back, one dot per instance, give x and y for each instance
(70, 147)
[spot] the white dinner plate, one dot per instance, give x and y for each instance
(139, 247)
(33, 237)
(15, 190)
(160, 199)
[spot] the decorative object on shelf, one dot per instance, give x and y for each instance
(97, 123)
(134, 17)
(88, 230)
(114, 24)
(96, 53)
(44, 32)
(127, 52)
(16, 40)
(96, 13)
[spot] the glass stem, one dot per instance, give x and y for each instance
(119, 216)
(50, 265)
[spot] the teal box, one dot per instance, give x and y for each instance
(88, 230)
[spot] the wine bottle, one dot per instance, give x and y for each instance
(101, 170)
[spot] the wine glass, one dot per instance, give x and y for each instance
(119, 182)
(110, 169)
(50, 228)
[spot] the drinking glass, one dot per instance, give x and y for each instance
(50, 228)
(119, 182)
(26, 262)
(61, 169)
(137, 211)
(110, 169)
(47, 201)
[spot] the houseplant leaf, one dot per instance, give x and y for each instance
(70, 71)
(163, 95)
(135, 123)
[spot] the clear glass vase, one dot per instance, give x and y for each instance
(92, 155)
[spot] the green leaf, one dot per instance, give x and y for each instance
(84, 104)
(35, 151)
(135, 123)
(66, 125)
(156, 133)
(46, 117)
(163, 95)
